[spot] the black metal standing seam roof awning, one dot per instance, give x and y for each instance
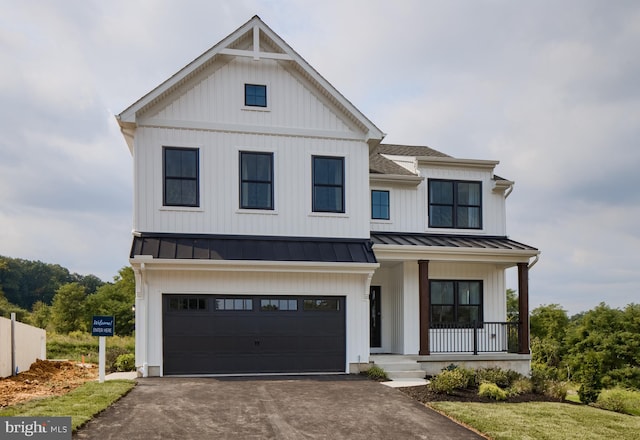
(448, 240)
(256, 248)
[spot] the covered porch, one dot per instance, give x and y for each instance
(441, 299)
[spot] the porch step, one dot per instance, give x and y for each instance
(399, 367)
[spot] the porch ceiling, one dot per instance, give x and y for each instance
(448, 247)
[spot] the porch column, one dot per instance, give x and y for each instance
(423, 284)
(523, 308)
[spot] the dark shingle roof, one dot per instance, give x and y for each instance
(379, 164)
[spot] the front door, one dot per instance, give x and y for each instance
(374, 317)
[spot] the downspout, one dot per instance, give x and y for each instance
(535, 260)
(508, 192)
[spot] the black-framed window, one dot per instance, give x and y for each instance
(180, 175)
(187, 303)
(272, 305)
(234, 304)
(255, 95)
(321, 304)
(455, 204)
(328, 184)
(455, 304)
(256, 180)
(379, 205)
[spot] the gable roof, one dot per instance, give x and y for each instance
(253, 39)
(378, 164)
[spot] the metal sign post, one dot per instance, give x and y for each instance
(102, 326)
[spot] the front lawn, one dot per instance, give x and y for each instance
(541, 420)
(82, 404)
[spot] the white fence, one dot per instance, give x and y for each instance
(20, 346)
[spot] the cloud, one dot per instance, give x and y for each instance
(548, 88)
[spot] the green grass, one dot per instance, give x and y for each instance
(542, 421)
(74, 345)
(82, 404)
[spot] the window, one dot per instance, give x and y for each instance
(187, 303)
(267, 305)
(380, 205)
(455, 304)
(256, 180)
(255, 95)
(180, 172)
(328, 184)
(455, 204)
(234, 304)
(321, 304)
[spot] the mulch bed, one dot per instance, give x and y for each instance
(425, 395)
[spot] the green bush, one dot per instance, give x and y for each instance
(620, 400)
(520, 386)
(492, 391)
(591, 381)
(125, 362)
(377, 373)
(557, 390)
(502, 378)
(448, 381)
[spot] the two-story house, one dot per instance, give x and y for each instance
(275, 233)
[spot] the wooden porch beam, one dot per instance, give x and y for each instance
(423, 286)
(523, 308)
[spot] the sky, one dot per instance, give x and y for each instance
(550, 89)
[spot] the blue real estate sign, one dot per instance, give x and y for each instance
(102, 326)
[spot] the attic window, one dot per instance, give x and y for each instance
(255, 95)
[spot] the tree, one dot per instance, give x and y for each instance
(513, 308)
(115, 299)
(40, 315)
(90, 282)
(549, 322)
(548, 329)
(68, 309)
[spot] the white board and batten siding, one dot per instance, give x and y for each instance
(233, 283)
(219, 211)
(400, 298)
(217, 98)
(409, 205)
(209, 114)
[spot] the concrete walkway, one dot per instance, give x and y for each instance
(307, 407)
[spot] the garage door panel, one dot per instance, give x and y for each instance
(263, 339)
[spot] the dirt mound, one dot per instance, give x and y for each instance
(43, 379)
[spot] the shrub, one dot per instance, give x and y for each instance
(492, 391)
(520, 386)
(500, 377)
(449, 380)
(125, 362)
(377, 373)
(620, 400)
(112, 355)
(591, 384)
(556, 390)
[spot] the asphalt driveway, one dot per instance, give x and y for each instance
(307, 407)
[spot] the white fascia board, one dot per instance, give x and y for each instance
(151, 263)
(502, 185)
(385, 252)
(373, 136)
(396, 179)
(452, 161)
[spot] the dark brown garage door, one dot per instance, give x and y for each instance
(253, 334)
